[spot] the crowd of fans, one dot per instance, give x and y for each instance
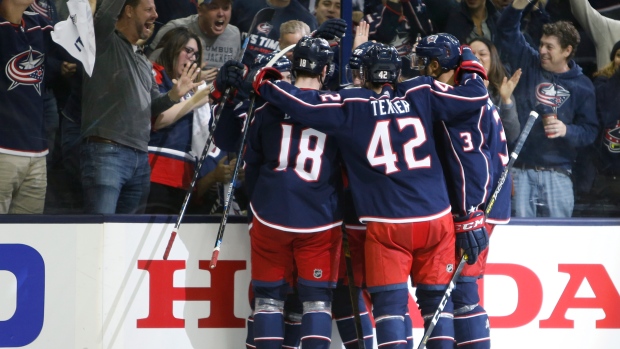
(104, 152)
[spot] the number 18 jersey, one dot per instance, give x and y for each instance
(299, 177)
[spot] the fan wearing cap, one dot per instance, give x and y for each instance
(221, 41)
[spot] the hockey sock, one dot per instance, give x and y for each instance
(292, 330)
(442, 336)
(471, 322)
(316, 325)
(268, 323)
(249, 339)
(389, 311)
(345, 319)
(409, 330)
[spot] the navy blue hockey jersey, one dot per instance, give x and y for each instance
(23, 52)
(298, 174)
(386, 140)
(474, 153)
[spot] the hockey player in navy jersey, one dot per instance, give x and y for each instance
(474, 154)
(227, 135)
(295, 204)
(385, 135)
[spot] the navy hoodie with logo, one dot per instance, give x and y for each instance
(570, 93)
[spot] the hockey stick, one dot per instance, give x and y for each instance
(246, 127)
(352, 294)
(502, 179)
(205, 150)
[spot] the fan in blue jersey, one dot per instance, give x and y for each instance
(474, 154)
(384, 132)
(25, 46)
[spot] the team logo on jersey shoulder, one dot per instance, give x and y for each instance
(318, 273)
(264, 28)
(26, 68)
(552, 95)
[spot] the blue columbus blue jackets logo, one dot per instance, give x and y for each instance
(26, 68)
(552, 95)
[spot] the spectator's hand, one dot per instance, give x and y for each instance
(208, 75)
(471, 235)
(185, 82)
(361, 34)
(223, 171)
(331, 29)
(67, 69)
(508, 86)
(142, 42)
(555, 128)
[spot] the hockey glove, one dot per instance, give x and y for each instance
(331, 29)
(265, 73)
(471, 235)
(230, 75)
(469, 64)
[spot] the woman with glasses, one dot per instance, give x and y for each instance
(178, 134)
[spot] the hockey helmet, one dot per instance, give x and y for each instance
(443, 47)
(381, 63)
(311, 55)
(355, 62)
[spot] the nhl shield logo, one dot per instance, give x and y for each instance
(449, 268)
(318, 273)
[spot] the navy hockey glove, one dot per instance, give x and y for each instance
(469, 64)
(331, 29)
(265, 73)
(471, 235)
(231, 74)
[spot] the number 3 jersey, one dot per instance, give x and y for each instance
(298, 180)
(386, 140)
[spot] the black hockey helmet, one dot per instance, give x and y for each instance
(311, 55)
(355, 62)
(381, 63)
(443, 47)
